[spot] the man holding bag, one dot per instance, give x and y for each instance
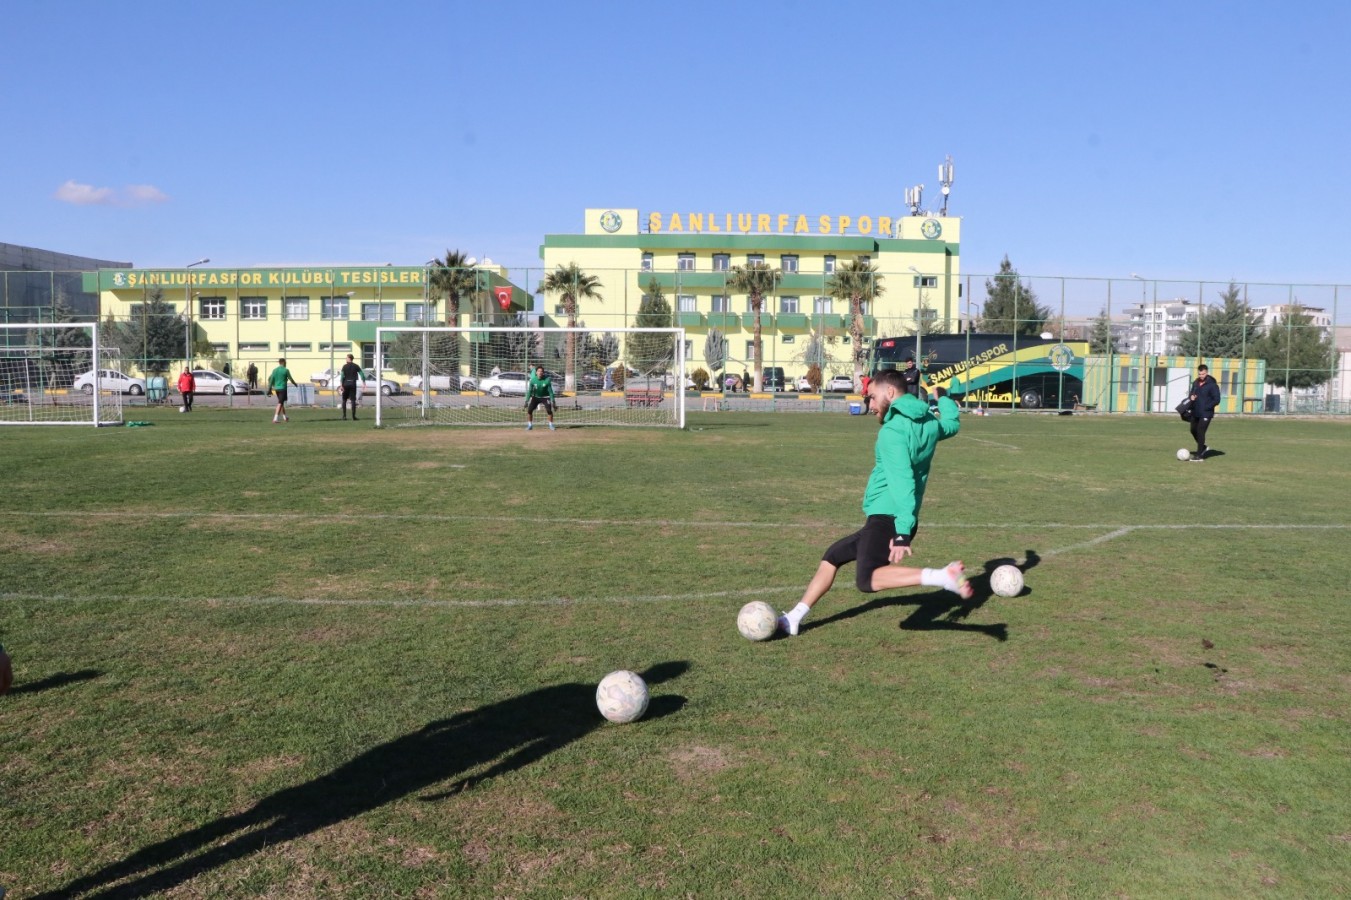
(1204, 396)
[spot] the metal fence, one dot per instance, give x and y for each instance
(1302, 332)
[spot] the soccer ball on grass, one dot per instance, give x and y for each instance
(622, 696)
(757, 621)
(1007, 581)
(1184, 454)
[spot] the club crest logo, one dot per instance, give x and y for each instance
(119, 279)
(931, 229)
(610, 221)
(1061, 357)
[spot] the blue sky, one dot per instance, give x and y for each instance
(1200, 140)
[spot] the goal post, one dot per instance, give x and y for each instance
(50, 374)
(477, 375)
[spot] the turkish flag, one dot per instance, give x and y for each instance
(503, 293)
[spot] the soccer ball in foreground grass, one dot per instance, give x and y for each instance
(757, 621)
(1184, 454)
(182, 409)
(1007, 581)
(622, 696)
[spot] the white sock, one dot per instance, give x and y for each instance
(796, 615)
(939, 578)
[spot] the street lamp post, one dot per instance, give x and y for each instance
(187, 314)
(919, 320)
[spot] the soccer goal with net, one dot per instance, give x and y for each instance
(57, 374)
(478, 375)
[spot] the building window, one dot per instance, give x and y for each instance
(647, 262)
(297, 308)
(254, 348)
(750, 350)
(789, 339)
(788, 263)
(333, 307)
(340, 347)
(926, 281)
(788, 304)
(377, 312)
(823, 305)
(830, 264)
(211, 307)
(415, 312)
(721, 303)
(753, 258)
(221, 348)
(685, 262)
(722, 262)
(686, 303)
(864, 260)
(689, 350)
(253, 308)
(295, 347)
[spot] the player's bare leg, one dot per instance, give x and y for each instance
(952, 578)
(821, 582)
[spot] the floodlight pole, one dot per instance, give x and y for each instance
(187, 314)
(919, 322)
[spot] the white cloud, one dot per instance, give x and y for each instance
(87, 195)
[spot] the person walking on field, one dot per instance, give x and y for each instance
(540, 390)
(1205, 396)
(187, 386)
(348, 375)
(902, 456)
(276, 384)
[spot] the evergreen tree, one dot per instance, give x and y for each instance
(152, 336)
(1010, 306)
(1298, 353)
(715, 352)
(68, 352)
(1229, 330)
(1100, 335)
(648, 353)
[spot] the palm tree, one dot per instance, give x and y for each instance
(453, 276)
(858, 282)
(755, 280)
(570, 283)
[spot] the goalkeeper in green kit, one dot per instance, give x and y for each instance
(540, 390)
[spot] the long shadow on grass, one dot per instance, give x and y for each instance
(942, 610)
(515, 732)
(60, 679)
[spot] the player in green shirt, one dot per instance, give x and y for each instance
(902, 456)
(540, 390)
(276, 384)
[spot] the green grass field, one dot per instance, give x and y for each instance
(321, 660)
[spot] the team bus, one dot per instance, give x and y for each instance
(979, 369)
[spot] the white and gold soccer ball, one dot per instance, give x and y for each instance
(622, 696)
(1007, 581)
(757, 621)
(1184, 454)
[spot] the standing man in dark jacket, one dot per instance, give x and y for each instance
(914, 378)
(1205, 396)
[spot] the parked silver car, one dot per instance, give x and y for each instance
(111, 381)
(209, 381)
(506, 383)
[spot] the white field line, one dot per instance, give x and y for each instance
(667, 523)
(409, 602)
(994, 443)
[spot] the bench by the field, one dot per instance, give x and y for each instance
(642, 396)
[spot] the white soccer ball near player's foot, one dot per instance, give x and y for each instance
(182, 409)
(622, 696)
(1007, 581)
(757, 621)
(1184, 454)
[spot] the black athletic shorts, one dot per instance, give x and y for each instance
(536, 401)
(281, 394)
(869, 547)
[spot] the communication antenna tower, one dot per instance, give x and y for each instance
(945, 179)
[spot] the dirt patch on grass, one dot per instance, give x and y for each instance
(695, 761)
(257, 769)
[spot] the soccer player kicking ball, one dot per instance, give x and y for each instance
(540, 390)
(903, 453)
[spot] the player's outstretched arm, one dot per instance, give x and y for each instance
(949, 417)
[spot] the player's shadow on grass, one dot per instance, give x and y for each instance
(506, 736)
(60, 679)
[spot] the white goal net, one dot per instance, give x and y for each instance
(478, 375)
(57, 374)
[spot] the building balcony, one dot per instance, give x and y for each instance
(689, 319)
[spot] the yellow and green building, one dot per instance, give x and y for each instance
(690, 254)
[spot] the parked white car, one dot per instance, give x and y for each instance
(442, 383)
(840, 383)
(210, 381)
(387, 387)
(506, 383)
(803, 385)
(111, 381)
